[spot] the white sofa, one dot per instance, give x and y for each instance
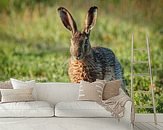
(63, 113)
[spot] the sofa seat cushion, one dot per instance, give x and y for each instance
(26, 109)
(80, 109)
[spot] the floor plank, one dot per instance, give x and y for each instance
(158, 125)
(150, 126)
(136, 128)
(161, 123)
(141, 126)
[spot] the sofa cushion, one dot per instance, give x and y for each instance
(16, 95)
(111, 89)
(80, 109)
(91, 91)
(18, 84)
(5, 85)
(26, 109)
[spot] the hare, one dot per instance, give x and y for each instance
(86, 62)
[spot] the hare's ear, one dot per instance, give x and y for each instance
(67, 19)
(90, 19)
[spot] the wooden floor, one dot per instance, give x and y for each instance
(146, 122)
(148, 126)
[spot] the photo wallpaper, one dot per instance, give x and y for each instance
(39, 40)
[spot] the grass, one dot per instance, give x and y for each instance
(39, 48)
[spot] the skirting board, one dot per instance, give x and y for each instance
(148, 117)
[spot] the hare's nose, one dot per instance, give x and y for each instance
(78, 55)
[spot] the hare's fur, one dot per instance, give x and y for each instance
(100, 64)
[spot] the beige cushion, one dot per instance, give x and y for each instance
(16, 95)
(111, 89)
(91, 91)
(5, 85)
(19, 84)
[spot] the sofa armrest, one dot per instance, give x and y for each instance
(127, 112)
(128, 107)
(126, 120)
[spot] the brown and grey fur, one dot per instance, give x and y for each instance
(86, 62)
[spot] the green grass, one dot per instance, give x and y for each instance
(39, 48)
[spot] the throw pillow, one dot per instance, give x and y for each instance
(91, 91)
(18, 84)
(16, 95)
(5, 85)
(111, 89)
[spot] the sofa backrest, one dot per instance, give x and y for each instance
(57, 92)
